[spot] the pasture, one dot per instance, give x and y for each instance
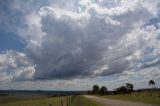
(143, 97)
(147, 93)
(45, 101)
(83, 101)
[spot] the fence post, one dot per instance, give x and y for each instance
(67, 101)
(71, 98)
(50, 104)
(61, 102)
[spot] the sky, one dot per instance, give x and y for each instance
(75, 44)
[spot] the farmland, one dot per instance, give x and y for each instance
(16, 101)
(143, 97)
(44, 101)
(83, 101)
(48, 99)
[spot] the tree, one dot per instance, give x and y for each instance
(129, 87)
(152, 83)
(89, 92)
(103, 90)
(122, 89)
(95, 89)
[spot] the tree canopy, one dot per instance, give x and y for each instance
(103, 90)
(129, 86)
(152, 83)
(95, 89)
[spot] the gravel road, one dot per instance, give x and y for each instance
(113, 102)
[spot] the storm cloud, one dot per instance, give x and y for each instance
(86, 38)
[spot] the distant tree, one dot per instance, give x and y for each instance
(95, 89)
(122, 89)
(103, 90)
(89, 92)
(129, 87)
(152, 83)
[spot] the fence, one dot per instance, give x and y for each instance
(147, 93)
(65, 101)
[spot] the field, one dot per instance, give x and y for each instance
(44, 101)
(16, 101)
(154, 93)
(82, 101)
(143, 97)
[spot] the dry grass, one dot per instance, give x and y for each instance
(154, 93)
(143, 97)
(45, 101)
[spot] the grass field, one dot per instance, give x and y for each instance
(145, 93)
(134, 98)
(85, 101)
(44, 101)
(88, 102)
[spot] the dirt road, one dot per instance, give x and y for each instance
(112, 102)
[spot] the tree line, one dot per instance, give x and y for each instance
(125, 89)
(97, 90)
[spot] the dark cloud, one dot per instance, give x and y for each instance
(72, 50)
(78, 39)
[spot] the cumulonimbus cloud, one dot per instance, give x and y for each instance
(89, 38)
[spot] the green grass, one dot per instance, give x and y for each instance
(133, 98)
(44, 101)
(13, 101)
(7, 99)
(74, 103)
(88, 102)
(85, 101)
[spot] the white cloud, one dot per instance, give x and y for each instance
(121, 7)
(74, 43)
(15, 66)
(85, 38)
